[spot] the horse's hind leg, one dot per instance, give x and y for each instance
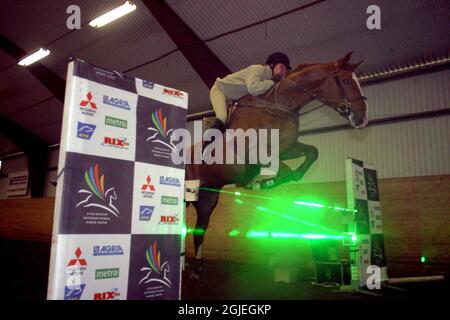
(207, 201)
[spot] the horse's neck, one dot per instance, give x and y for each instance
(289, 95)
(298, 87)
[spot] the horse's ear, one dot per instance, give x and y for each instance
(344, 61)
(355, 65)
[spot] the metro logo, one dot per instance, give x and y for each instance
(115, 122)
(173, 93)
(106, 273)
(173, 201)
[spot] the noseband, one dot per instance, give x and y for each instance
(344, 106)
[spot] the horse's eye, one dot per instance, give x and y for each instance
(346, 81)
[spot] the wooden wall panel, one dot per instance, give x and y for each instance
(416, 216)
(27, 219)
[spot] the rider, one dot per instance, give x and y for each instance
(255, 80)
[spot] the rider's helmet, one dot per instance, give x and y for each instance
(278, 57)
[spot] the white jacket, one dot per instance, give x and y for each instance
(255, 80)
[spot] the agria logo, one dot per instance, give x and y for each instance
(108, 250)
(96, 196)
(159, 132)
(85, 130)
(169, 181)
(160, 271)
(88, 107)
(116, 102)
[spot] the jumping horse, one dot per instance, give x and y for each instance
(334, 84)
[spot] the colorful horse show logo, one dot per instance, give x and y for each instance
(154, 261)
(96, 195)
(160, 129)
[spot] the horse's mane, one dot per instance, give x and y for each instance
(303, 66)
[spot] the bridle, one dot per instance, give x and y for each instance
(344, 106)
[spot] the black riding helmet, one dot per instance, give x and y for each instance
(278, 57)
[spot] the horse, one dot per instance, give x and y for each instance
(334, 84)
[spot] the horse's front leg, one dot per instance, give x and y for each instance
(285, 174)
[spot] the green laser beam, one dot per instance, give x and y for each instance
(286, 216)
(297, 202)
(284, 235)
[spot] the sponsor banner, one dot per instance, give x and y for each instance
(96, 195)
(154, 267)
(105, 121)
(158, 203)
(117, 183)
(92, 267)
(17, 184)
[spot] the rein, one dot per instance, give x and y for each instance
(343, 108)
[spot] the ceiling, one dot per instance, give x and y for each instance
(412, 31)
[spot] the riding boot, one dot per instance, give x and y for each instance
(217, 124)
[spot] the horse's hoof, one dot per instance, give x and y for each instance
(253, 186)
(268, 184)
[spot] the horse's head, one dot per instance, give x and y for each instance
(342, 92)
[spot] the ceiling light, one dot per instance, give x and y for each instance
(113, 15)
(32, 58)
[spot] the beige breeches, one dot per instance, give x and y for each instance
(219, 103)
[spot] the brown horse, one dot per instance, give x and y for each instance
(334, 84)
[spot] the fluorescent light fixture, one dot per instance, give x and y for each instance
(32, 58)
(113, 15)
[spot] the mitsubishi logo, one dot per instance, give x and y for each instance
(73, 262)
(84, 103)
(148, 185)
